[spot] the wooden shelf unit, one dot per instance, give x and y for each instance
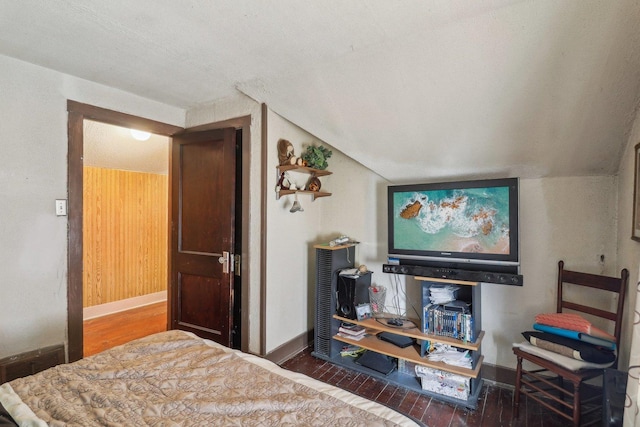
(328, 344)
(374, 325)
(302, 169)
(371, 342)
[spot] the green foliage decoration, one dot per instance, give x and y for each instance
(316, 157)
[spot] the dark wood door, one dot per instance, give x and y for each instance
(202, 195)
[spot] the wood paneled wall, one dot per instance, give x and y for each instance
(125, 234)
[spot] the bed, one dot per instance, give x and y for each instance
(176, 378)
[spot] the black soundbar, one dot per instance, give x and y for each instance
(454, 274)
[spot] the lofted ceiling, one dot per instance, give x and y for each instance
(412, 89)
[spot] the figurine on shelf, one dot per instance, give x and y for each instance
(285, 153)
(283, 182)
(314, 184)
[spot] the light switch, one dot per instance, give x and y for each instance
(61, 207)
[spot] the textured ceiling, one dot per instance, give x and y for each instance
(413, 89)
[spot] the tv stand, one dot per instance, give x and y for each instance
(454, 274)
(328, 344)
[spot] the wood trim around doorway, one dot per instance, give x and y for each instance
(77, 113)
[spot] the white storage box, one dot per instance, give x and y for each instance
(443, 382)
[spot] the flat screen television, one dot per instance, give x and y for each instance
(470, 225)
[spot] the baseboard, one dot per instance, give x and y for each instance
(289, 349)
(30, 362)
(499, 374)
(122, 305)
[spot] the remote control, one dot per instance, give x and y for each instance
(395, 322)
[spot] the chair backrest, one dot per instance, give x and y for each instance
(616, 285)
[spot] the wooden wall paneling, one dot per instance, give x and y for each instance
(125, 229)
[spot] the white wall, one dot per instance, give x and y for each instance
(290, 240)
(351, 210)
(358, 208)
(628, 249)
(572, 219)
(33, 143)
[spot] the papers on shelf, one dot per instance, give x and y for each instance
(442, 294)
(450, 355)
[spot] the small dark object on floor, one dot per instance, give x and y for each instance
(614, 389)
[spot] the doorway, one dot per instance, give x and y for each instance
(77, 113)
(125, 235)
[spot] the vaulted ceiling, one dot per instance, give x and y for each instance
(413, 89)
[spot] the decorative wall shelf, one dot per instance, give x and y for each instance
(314, 194)
(301, 169)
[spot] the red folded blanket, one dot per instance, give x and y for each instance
(573, 322)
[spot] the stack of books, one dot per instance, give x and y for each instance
(353, 332)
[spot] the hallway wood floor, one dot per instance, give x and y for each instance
(494, 403)
(102, 333)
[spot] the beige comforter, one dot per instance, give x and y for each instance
(175, 378)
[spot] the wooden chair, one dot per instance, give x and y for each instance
(547, 385)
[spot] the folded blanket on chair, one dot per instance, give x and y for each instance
(573, 322)
(569, 347)
(564, 361)
(610, 345)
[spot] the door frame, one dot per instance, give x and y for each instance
(77, 113)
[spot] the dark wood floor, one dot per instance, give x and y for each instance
(494, 403)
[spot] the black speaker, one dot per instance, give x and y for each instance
(328, 262)
(352, 291)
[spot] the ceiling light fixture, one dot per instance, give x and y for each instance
(139, 134)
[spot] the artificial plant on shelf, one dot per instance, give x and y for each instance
(316, 156)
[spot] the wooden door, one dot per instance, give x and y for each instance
(202, 199)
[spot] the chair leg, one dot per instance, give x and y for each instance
(516, 391)
(576, 404)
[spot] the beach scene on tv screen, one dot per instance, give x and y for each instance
(473, 220)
